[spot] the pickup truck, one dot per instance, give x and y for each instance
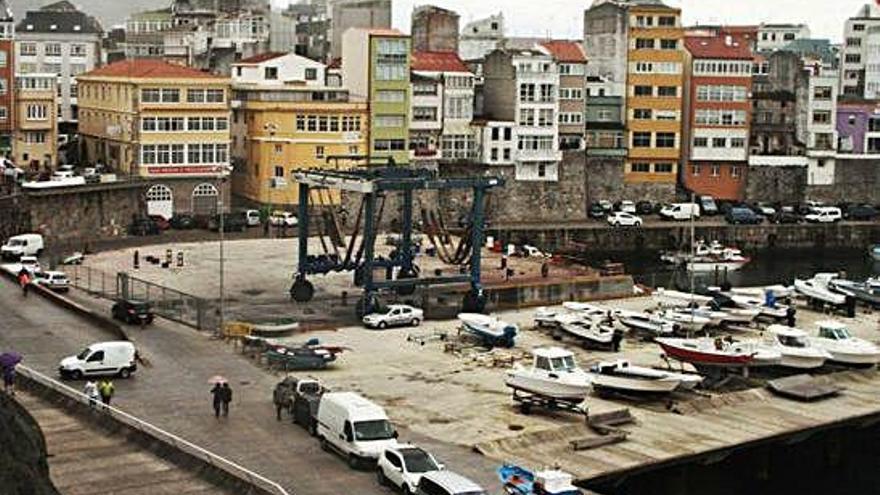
(300, 396)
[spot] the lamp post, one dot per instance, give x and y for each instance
(222, 171)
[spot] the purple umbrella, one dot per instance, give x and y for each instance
(9, 359)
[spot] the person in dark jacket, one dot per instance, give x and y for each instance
(226, 396)
(217, 392)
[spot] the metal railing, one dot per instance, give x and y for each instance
(174, 441)
(93, 281)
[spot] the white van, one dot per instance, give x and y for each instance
(103, 358)
(680, 211)
(825, 214)
(22, 245)
(355, 427)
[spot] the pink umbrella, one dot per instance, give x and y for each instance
(217, 379)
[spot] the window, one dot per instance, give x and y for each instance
(311, 74)
(546, 117)
(571, 93)
(701, 142)
(527, 116)
(716, 171)
(642, 114)
(459, 107)
(270, 73)
(494, 155)
(37, 112)
(77, 50)
(4, 113)
(194, 153)
(279, 171)
(53, 49)
(177, 154)
(668, 44)
(644, 20)
(665, 140)
(853, 42)
(737, 143)
(392, 96)
(821, 117)
(853, 58)
(3, 58)
(279, 148)
(319, 152)
(641, 140)
(387, 121)
(351, 123)
(496, 134)
(424, 114)
(570, 118)
(695, 170)
(719, 142)
(423, 89)
(667, 91)
(548, 93)
(858, 27)
(389, 145)
(391, 72)
(214, 96)
(822, 92)
(640, 167)
(170, 95)
(666, 21)
(526, 92)
(508, 134)
(663, 168)
(735, 172)
(36, 137)
(644, 90)
(148, 154)
(644, 43)
(507, 154)
(604, 115)
(27, 49)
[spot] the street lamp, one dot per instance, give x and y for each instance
(222, 173)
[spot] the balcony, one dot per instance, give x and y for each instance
(538, 155)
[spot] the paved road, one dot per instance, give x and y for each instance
(174, 395)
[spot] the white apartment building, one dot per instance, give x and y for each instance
(279, 69)
(822, 126)
(776, 36)
(858, 51)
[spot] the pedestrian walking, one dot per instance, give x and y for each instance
(90, 390)
(24, 279)
(281, 398)
(9, 379)
(226, 392)
(217, 392)
(106, 390)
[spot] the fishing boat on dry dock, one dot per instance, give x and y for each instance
(554, 374)
(646, 323)
(590, 332)
(687, 320)
(868, 291)
(490, 330)
(708, 257)
(835, 338)
(622, 376)
(716, 353)
(796, 349)
(818, 289)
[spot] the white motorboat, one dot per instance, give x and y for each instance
(709, 257)
(867, 292)
(795, 347)
(490, 330)
(678, 299)
(545, 317)
(735, 313)
(623, 376)
(817, 288)
(775, 311)
(716, 318)
(834, 338)
(587, 309)
(687, 320)
(778, 291)
(553, 373)
(650, 324)
(591, 332)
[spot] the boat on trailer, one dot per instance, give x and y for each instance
(796, 349)
(554, 374)
(622, 376)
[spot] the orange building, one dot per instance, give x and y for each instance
(655, 90)
(718, 109)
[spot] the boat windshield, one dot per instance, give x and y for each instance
(834, 333)
(792, 341)
(563, 363)
(380, 429)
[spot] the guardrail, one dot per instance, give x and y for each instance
(230, 468)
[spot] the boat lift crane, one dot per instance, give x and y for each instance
(374, 183)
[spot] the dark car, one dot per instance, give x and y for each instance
(740, 215)
(786, 217)
(183, 222)
(596, 210)
(644, 208)
(861, 212)
(133, 311)
(232, 222)
(143, 227)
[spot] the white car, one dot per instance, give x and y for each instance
(627, 207)
(394, 315)
(402, 466)
(622, 219)
(766, 211)
(61, 174)
(825, 214)
(56, 281)
(283, 218)
(253, 218)
(31, 264)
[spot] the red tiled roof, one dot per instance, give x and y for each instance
(262, 57)
(438, 62)
(717, 47)
(149, 68)
(566, 51)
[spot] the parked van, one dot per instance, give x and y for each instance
(447, 483)
(680, 211)
(825, 214)
(103, 358)
(22, 245)
(355, 427)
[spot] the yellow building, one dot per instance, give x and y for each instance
(149, 119)
(290, 121)
(655, 90)
(35, 145)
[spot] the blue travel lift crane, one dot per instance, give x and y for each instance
(375, 183)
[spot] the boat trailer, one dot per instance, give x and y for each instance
(375, 183)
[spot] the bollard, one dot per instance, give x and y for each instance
(137, 259)
(345, 298)
(545, 270)
(180, 259)
(168, 256)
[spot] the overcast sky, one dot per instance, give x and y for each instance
(564, 18)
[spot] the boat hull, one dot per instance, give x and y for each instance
(802, 362)
(634, 385)
(713, 266)
(567, 391)
(704, 358)
(856, 358)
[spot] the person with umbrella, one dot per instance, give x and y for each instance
(8, 362)
(218, 393)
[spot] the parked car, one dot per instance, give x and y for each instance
(742, 215)
(447, 483)
(53, 280)
(22, 245)
(304, 396)
(862, 212)
(708, 206)
(621, 219)
(283, 219)
(680, 211)
(785, 217)
(143, 227)
(596, 210)
(764, 209)
(402, 466)
(232, 222)
(31, 264)
(132, 311)
(183, 222)
(824, 214)
(355, 427)
(394, 315)
(102, 358)
(253, 218)
(606, 205)
(625, 206)
(62, 174)
(644, 208)
(161, 222)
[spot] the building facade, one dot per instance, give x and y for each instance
(357, 14)
(858, 125)
(718, 116)
(62, 40)
(480, 37)
(654, 95)
(35, 145)
(776, 36)
(284, 120)
(7, 79)
(571, 62)
(168, 124)
(606, 33)
(376, 70)
(434, 29)
(780, 109)
(522, 86)
(858, 50)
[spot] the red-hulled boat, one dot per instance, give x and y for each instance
(706, 352)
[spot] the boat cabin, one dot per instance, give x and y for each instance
(788, 337)
(833, 330)
(554, 359)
